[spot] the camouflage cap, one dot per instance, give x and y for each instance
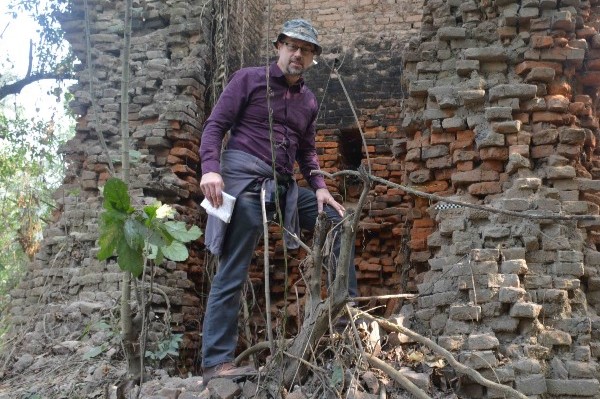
(302, 30)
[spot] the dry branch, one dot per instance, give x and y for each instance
(397, 376)
(459, 367)
(434, 197)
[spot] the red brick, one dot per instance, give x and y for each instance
(439, 162)
(465, 135)
(433, 186)
(526, 66)
(511, 139)
(464, 166)
(460, 145)
(521, 149)
(423, 223)
(442, 138)
(568, 151)
(558, 87)
(443, 174)
(375, 166)
(541, 41)
(542, 151)
(586, 32)
(550, 117)
(412, 166)
(494, 153)
(580, 109)
(185, 154)
(326, 144)
(474, 176)
(492, 165)
(416, 245)
(183, 169)
(523, 117)
(485, 188)
(583, 98)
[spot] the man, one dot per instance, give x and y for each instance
(245, 168)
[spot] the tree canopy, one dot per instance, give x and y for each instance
(49, 56)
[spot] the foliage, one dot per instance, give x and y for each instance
(135, 235)
(169, 346)
(31, 167)
(50, 44)
(50, 56)
(97, 350)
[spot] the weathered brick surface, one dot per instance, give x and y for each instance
(499, 112)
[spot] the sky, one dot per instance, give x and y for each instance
(14, 50)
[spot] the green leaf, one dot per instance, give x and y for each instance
(180, 232)
(337, 378)
(155, 254)
(150, 210)
(95, 351)
(110, 235)
(110, 216)
(176, 252)
(116, 196)
(102, 325)
(134, 156)
(130, 259)
(135, 233)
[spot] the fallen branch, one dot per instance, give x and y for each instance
(434, 197)
(397, 376)
(459, 367)
(375, 297)
(261, 346)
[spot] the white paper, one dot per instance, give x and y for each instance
(223, 212)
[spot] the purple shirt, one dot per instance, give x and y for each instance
(242, 108)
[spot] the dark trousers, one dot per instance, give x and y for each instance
(219, 331)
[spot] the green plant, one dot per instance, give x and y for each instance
(138, 234)
(169, 346)
(97, 350)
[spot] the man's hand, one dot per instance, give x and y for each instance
(324, 198)
(212, 185)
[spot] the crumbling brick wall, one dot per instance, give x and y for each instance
(181, 55)
(501, 111)
(490, 103)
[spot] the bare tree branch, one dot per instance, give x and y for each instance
(17, 86)
(434, 197)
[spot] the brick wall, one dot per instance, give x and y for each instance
(489, 103)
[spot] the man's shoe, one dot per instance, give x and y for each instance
(227, 370)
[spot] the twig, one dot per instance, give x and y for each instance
(261, 346)
(245, 309)
(298, 240)
(314, 273)
(306, 363)
(370, 298)
(398, 377)
(266, 271)
(456, 202)
(459, 367)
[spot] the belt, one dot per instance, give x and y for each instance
(283, 183)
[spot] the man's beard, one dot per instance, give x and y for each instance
(294, 70)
